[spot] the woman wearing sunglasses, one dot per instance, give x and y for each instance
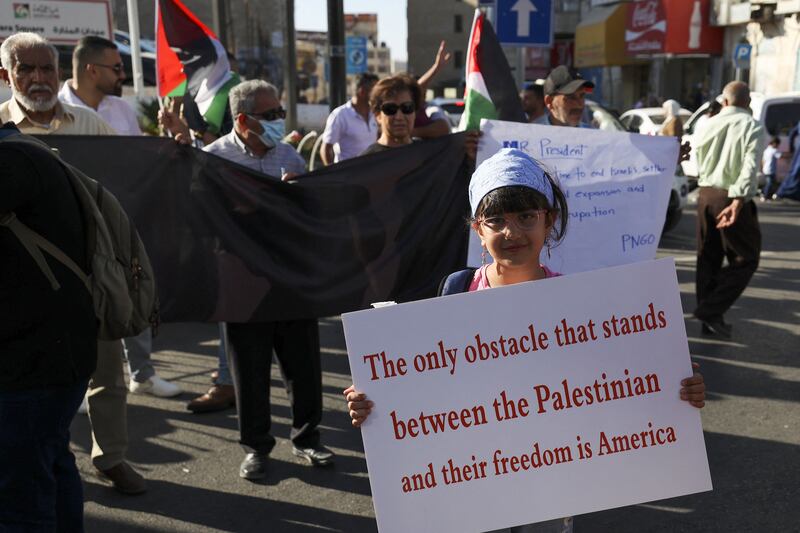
(393, 102)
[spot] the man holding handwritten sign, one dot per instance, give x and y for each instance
(530, 412)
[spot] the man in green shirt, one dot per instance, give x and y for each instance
(727, 156)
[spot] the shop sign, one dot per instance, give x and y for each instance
(646, 27)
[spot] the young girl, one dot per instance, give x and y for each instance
(517, 211)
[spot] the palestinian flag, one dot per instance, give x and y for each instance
(191, 61)
(491, 91)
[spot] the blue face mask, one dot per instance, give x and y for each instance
(274, 131)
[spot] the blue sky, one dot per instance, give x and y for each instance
(392, 23)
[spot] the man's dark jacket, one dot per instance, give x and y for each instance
(47, 337)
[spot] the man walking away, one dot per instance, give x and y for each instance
(727, 223)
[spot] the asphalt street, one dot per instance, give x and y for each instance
(751, 424)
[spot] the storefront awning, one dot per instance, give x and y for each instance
(600, 38)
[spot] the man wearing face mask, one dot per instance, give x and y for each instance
(255, 142)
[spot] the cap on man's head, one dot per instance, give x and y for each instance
(565, 80)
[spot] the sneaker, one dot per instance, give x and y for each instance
(316, 456)
(155, 386)
(83, 408)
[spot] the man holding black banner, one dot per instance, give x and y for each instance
(255, 142)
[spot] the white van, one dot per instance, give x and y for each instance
(778, 113)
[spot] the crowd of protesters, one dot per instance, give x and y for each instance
(47, 330)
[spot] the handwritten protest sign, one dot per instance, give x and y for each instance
(528, 402)
(617, 187)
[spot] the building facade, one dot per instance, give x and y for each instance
(772, 30)
(645, 51)
(430, 23)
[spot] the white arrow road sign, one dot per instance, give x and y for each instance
(524, 8)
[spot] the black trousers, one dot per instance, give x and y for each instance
(296, 345)
(718, 287)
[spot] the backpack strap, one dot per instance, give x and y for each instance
(456, 282)
(35, 243)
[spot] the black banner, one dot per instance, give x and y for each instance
(230, 244)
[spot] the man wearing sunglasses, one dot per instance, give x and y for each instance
(97, 76)
(30, 68)
(256, 142)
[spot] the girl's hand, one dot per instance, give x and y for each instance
(358, 405)
(693, 389)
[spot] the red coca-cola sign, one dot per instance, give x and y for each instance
(646, 28)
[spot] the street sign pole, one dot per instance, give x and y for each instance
(291, 67)
(337, 89)
(136, 50)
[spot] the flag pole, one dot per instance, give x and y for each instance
(136, 50)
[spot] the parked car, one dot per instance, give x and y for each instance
(649, 120)
(602, 118)
(453, 107)
(778, 113)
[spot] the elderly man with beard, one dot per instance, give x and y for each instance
(30, 67)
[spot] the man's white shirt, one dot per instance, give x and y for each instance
(348, 132)
(112, 109)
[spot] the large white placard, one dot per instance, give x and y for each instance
(60, 21)
(617, 186)
(528, 402)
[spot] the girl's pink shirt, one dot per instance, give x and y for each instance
(481, 281)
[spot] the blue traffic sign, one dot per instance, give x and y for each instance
(356, 52)
(525, 22)
(741, 56)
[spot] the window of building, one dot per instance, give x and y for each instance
(458, 24)
(567, 6)
(458, 59)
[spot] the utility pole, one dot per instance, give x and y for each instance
(136, 50)
(291, 67)
(337, 90)
(220, 21)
